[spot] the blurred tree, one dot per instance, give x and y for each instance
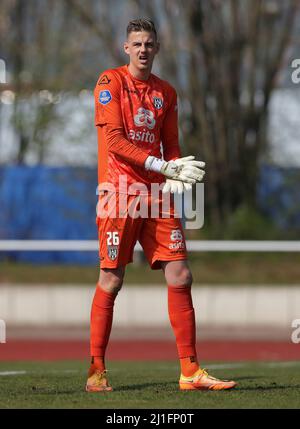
(237, 50)
(45, 61)
(30, 50)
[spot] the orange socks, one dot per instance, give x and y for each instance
(101, 323)
(182, 318)
(189, 366)
(97, 363)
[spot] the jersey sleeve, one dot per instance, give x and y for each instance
(108, 114)
(170, 142)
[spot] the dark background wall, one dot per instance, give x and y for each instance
(48, 203)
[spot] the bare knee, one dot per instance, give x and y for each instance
(111, 280)
(184, 278)
(178, 274)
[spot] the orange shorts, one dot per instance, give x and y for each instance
(123, 220)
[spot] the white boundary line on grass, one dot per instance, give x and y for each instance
(4, 373)
(52, 371)
(212, 366)
(234, 365)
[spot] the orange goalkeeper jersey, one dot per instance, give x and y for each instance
(135, 119)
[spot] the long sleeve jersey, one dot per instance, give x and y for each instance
(134, 118)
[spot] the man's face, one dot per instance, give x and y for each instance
(141, 46)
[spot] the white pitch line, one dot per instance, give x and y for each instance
(256, 363)
(236, 365)
(227, 365)
(4, 373)
(65, 371)
(284, 364)
(233, 365)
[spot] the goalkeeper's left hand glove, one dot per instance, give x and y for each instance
(183, 169)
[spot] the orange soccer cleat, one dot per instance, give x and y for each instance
(201, 380)
(97, 382)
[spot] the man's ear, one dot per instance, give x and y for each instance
(157, 47)
(126, 48)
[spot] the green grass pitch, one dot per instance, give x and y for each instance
(147, 385)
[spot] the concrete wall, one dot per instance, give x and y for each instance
(144, 306)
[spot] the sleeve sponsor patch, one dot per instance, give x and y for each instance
(104, 80)
(105, 97)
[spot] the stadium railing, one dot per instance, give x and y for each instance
(192, 245)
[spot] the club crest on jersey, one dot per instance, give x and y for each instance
(105, 97)
(158, 102)
(112, 252)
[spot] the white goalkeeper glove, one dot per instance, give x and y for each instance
(176, 187)
(185, 170)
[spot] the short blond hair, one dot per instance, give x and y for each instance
(141, 25)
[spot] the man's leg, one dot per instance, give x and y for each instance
(110, 282)
(117, 238)
(182, 318)
(181, 313)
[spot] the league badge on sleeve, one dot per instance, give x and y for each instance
(158, 102)
(105, 97)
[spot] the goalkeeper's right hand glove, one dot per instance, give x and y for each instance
(176, 187)
(183, 169)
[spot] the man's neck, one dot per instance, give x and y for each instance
(139, 74)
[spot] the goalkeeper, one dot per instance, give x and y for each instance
(136, 115)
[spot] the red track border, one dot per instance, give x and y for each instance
(51, 350)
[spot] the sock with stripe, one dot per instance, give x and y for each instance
(182, 318)
(101, 323)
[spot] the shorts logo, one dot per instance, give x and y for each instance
(158, 102)
(176, 235)
(144, 118)
(105, 97)
(104, 80)
(112, 252)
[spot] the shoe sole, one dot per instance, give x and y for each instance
(190, 386)
(98, 389)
